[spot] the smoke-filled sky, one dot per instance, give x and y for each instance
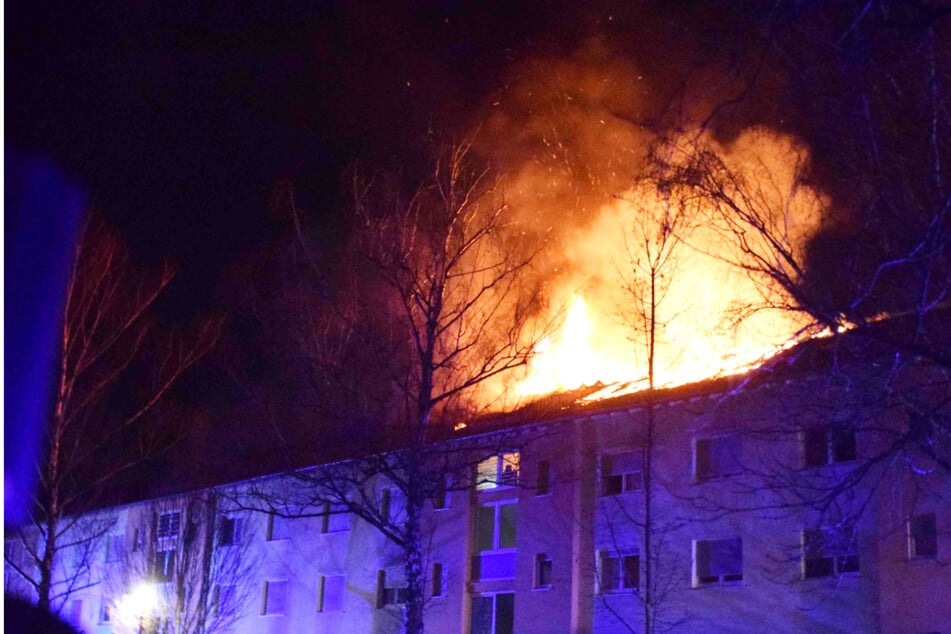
(178, 119)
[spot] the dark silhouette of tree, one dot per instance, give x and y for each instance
(113, 369)
(436, 307)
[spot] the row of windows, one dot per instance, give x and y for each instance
(826, 552)
(721, 456)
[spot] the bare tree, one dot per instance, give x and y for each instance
(440, 309)
(107, 332)
(193, 555)
(873, 276)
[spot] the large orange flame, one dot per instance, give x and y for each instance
(704, 327)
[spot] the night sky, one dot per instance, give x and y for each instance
(181, 120)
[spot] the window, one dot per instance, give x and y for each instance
(543, 478)
(105, 611)
(391, 587)
(923, 537)
(76, 612)
(437, 580)
(498, 471)
(542, 570)
(224, 599)
(330, 591)
(113, 548)
(495, 541)
(828, 552)
(229, 531)
(717, 561)
(827, 445)
(441, 499)
(620, 473)
(136, 541)
(619, 572)
(168, 524)
(163, 565)
(335, 518)
(493, 614)
(275, 597)
(278, 528)
(717, 457)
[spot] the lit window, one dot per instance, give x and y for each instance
(330, 593)
(923, 537)
(493, 614)
(437, 580)
(620, 473)
(717, 561)
(335, 518)
(618, 571)
(829, 552)
(278, 527)
(542, 570)
(827, 445)
(229, 531)
(168, 524)
(498, 471)
(717, 457)
(275, 597)
(543, 478)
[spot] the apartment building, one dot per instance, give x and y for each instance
(735, 505)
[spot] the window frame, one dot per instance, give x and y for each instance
(715, 470)
(725, 579)
(501, 478)
(630, 480)
(234, 531)
(322, 586)
(621, 581)
(269, 586)
(169, 529)
(278, 527)
(328, 525)
(437, 580)
(915, 537)
(826, 439)
(543, 572)
(543, 480)
(841, 561)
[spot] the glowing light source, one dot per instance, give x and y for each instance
(135, 607)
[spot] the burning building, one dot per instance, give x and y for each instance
(790, 499)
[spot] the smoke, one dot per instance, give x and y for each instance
(575, 134)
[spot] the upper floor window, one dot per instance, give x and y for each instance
(168, 524)
(618, 571)
(717, 561)
(542, 570)
(827, 445)
(497, 471)
(229, 531)
(113, 548)
(620, 473)
(163, 565)
(275, 597)
(923, 537)
(543, 478)
(437, 580)
(330, 593)
(335, 518)
(278, 527)
(441, 497)
(391, 587)
(494, 541)
(717, 457)
(828, 552)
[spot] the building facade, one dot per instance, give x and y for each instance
(722, 507)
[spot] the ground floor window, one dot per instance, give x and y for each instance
(493, 614)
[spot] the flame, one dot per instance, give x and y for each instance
(699, 333)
